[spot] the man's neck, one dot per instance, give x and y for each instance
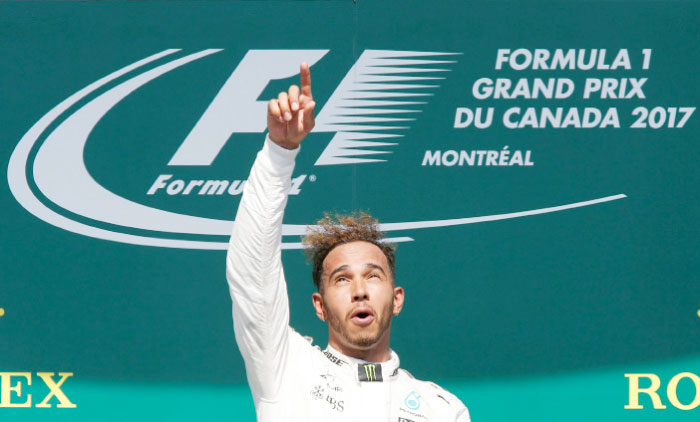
(378, 353)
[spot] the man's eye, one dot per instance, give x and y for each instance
(374, 275)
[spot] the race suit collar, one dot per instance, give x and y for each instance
(363, 370)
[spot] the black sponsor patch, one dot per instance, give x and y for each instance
(369, 372)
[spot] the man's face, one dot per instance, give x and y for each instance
(358, 297)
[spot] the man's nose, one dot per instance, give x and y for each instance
(359, 290)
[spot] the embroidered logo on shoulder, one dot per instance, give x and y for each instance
(412, 400)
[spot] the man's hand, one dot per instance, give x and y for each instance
(290, 117)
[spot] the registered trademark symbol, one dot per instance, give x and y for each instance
(312, 178)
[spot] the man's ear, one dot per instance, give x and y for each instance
(317, 300)
(398, 300)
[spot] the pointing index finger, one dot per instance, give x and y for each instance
(306, 80)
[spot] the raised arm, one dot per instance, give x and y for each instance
(253, 264)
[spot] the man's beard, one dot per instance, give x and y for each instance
(362, 339)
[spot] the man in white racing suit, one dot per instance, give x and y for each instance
(357, 377)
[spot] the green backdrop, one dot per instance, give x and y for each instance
(531, 313)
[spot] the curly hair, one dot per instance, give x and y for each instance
(337, 229)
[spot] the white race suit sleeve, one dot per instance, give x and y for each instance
(254, 271)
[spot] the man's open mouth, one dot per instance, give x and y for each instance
(362, 317)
